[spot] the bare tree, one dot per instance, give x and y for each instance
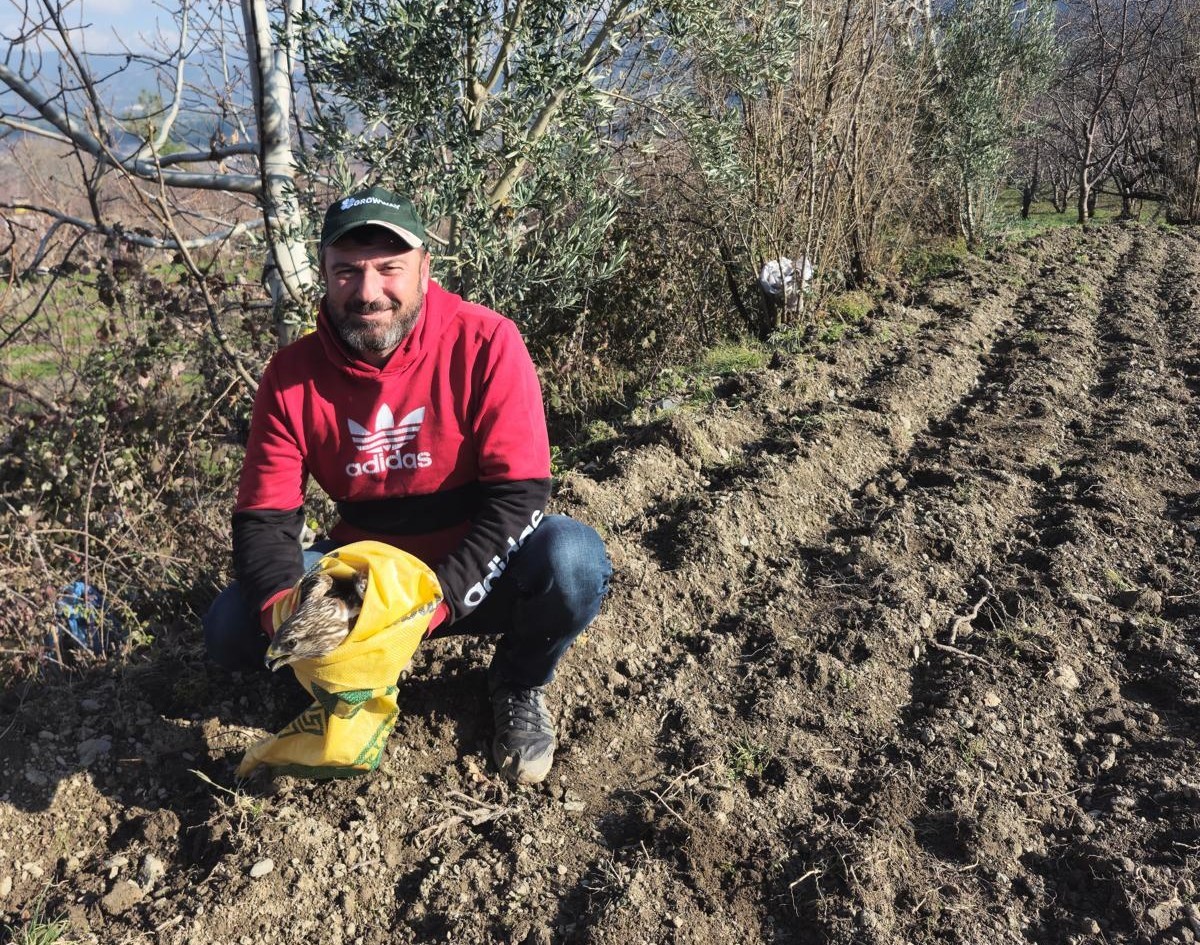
(1100, 99)
(1177, 115)
(138, 166)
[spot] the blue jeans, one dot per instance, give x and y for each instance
(547, 596)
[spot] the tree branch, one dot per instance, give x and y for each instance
(82, 138)
(127, 236)
(500, 190)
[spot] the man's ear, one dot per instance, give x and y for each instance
(425, 270)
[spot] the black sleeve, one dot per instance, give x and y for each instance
(266, 551)
(508, 512)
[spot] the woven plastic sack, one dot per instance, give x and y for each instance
(344, 731)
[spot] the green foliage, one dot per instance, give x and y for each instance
(833, 332)
(728, 113)
(748, 57)
(752, 48)
(791, 340)
(496, 126)
(993, 57)
(796, 142)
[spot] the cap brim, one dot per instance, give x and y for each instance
(410, 238)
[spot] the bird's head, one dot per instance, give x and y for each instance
(304, 640)
(322, 619)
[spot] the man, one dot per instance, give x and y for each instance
(421, 415)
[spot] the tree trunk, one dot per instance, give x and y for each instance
(287, 271)
(1030, 188)
(969, 227)
(1192, 208)
(1125, 188)
(1062, 194)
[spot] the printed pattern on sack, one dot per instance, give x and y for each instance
(386, 443)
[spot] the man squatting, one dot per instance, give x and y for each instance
(421, 415)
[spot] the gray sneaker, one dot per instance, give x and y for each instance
(524, 742)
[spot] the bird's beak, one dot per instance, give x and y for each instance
(274, 660)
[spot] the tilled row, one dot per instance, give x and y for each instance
(962, 704)
(1128, 757)
(950, 752)
(1043, 753)
(833, 608)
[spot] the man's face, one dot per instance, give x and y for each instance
(374, 287)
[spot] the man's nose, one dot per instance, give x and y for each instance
(370, 285)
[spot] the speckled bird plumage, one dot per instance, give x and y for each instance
(323, 618)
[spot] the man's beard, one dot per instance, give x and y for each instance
(376, 338)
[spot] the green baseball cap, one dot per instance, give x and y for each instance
(374, 206)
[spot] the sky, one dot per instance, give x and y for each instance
(114, 25)
(105, 26)
(106, 29)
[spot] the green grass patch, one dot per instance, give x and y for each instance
(26, 362)
(747, 759)
(1043, 216)
(843, 311)
(933, 259)
(732, 359)
(38, 929)
(852, 306)
(697, 383)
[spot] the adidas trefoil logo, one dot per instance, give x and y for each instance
(386, 443)
(388, 434)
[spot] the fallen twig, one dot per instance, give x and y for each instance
(965, 620)
(670, 810)
(476, 813)
(798, 880)
(947, 648)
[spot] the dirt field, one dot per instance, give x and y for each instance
(902, 648)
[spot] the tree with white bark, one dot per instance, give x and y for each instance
(60, 92)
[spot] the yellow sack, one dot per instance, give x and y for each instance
(343, 732)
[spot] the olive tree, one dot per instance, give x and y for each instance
(993, 56)
(797, 140)
(497, 118)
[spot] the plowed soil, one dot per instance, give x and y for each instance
(902, 648)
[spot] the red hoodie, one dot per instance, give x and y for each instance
(442, 451)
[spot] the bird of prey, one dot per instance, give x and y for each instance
(324, 615)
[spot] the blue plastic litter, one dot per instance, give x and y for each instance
(82, 620)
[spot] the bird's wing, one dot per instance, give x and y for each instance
(314, 585)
